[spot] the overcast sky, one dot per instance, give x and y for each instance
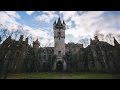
(80, 24)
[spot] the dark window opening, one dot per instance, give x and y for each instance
(59, 35)
(44, 57)
(59, 53)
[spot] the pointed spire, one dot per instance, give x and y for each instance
(63, 22)
(115, 42)
(37, 41)
(21, 37)
(59, 21)
(54, 22)
(26, 40)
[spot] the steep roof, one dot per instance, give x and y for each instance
(59, 22)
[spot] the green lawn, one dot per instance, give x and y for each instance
(63, 76)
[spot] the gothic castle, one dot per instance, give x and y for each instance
(19, 56)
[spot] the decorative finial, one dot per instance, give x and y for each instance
(59, 21)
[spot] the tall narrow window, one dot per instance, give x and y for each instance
(59, 35)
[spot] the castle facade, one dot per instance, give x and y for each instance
(19, 56)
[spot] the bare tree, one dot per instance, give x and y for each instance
(109, 38)
(96, 33)
(84, 42)
(48, 43)
(30, 39)
(10, 33)
(17, 33)
(119, 38)
(101, 36)
(4, 33)
(26, 33)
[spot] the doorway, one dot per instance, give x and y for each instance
(59, 66)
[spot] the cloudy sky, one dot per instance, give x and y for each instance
(80, 24)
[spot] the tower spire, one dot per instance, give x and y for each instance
(63, 22)
(59, 15)
(59, 21)
(54, 22)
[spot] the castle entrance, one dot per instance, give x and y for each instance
(59, 66)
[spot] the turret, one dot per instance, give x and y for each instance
(21, 38)
(96, 39)
(26, 40)
(63, 22)
(36, 44)
(59, 24)
(64, 25)
(54, 22)
(59, 42)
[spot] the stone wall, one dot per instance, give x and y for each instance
(18, 56)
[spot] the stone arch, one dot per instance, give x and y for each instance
(59, 66)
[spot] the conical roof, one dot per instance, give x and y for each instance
(59, 22)
(63, 22)
(37, 41)
(54, 22)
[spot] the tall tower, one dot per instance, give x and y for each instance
(36, 45)
(59, 43)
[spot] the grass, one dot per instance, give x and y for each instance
(63, 76)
